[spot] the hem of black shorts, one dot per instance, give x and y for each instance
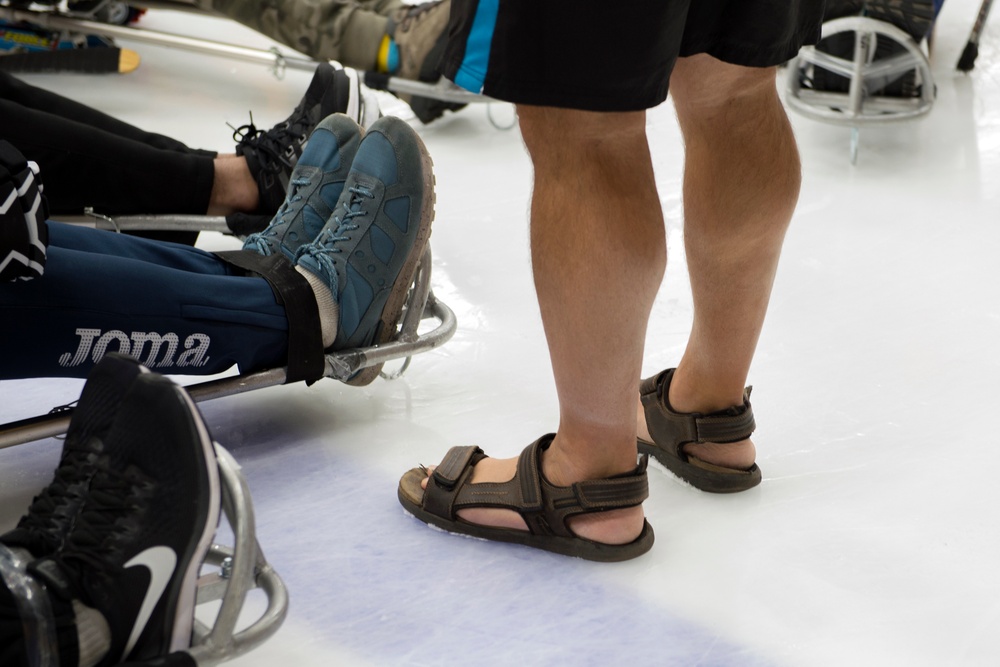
(566, 100)
(519, 92)
(752, 55)
(745, 55)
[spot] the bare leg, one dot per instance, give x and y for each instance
(233, 188)
(741, 183)
(598, 252)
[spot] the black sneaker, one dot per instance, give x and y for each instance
(145, 526)
(43, 530)
(271, 155)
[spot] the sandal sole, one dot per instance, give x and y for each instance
(702, 478)
(577, 547)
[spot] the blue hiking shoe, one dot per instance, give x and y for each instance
(313, 189)
(369, 250)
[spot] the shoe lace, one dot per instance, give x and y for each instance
(54, 506)
(354, 208)
(326, 244)
(112, 509)
(271, 145)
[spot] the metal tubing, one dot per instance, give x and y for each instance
(417, 303)
(129, 223)
(863, 45)
(247, 569)
(274, 58)
(33, 428)
(441, 90)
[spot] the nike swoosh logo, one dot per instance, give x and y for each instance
(160, 561)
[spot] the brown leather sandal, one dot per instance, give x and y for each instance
(543, 506)
(672, 430)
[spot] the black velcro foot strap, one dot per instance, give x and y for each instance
(306, 360)
(245, 224)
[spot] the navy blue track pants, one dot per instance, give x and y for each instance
(177, 309)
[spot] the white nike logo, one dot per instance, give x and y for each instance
(160, 561)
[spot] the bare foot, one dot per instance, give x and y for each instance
(614, 527)
(737, 455)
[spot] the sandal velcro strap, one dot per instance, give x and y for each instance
(444, 484)
(531, 477)
(615, 493)
(729, 425)
(558, 503)
(448, 473)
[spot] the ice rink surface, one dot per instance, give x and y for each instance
(874, 538)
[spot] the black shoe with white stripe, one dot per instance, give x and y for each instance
(145, 526)
(23, 212)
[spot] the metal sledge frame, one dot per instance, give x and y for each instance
(277, 60)
(860, 106)
(226, 575)
(237, 571)
(420, 304)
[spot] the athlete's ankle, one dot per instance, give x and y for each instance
(566, 462)
(691, 394)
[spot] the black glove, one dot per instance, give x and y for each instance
(23, 212)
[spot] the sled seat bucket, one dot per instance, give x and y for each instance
(865, 88)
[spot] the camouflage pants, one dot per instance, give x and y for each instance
(348, 31)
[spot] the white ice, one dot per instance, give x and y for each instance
(874, 537)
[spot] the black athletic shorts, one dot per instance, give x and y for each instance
(613, 55)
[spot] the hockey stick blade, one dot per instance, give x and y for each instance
(968, 59)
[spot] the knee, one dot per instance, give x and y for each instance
(705, 89)
(551, 131)
(557, 139)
